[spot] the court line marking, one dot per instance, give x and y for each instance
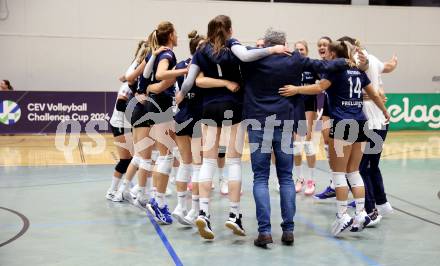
(165, 241)
(23, 230)
(398, 209)
(343, 244)
(414, 204)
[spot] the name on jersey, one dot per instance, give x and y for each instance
(57, 107)
(353, 72)
(352, 103)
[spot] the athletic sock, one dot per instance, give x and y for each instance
(332, 186)
(360, 205)
(342, 207)
(298, 172)
(124, 185)
(160, 199)
(181, 199)
(115, 183)
(311, 172)
(195, 204)
(204, 205)
(153, 192)
(234, 207)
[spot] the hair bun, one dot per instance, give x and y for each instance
(192, 34)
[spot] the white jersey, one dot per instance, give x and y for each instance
(118, 118)
(376, 119)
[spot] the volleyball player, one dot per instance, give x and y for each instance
(329, 192)
(121, 127)
(346, 135)
(161, 121)
(305, 111)
(141, 161)
(189, 142)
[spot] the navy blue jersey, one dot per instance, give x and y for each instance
(168, 55)
(191, 106)
(143, 82)
(345, 94)
(309, 78)
(164, 98)
(227, 68)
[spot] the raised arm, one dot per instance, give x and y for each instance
(321, 66)
(150, 65)
(131, 77)
(390, 65)
(291, 90)
(251, 55)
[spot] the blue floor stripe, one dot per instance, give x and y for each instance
(343, 244)
(165, 241)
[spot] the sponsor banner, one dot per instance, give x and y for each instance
(414, 111)
(41, 111)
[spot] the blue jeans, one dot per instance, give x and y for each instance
(373, 181)
(261, 167)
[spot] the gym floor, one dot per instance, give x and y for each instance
(53, 212)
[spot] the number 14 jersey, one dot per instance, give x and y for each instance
(345, 94)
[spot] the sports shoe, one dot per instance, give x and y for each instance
(263, 240)
(179, 214)
(204, 226)
(224, 186)
(360, 221)
(341, 224)
(326, 194)
(352, 205)
(299, 185)
(119, 196)
(191, 217)
(384, 209)
(161, 215)
(235, 224)
(110, 194)
(310, 188)
(375, 218)
(141, 202)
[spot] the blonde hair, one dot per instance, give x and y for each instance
(304, 43)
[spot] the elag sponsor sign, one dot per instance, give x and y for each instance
(41, 112)
(415, 111)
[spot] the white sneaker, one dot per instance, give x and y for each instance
(140, 202)
(191, 217)
(179, 214)
(384, 209)
(224, 186)
(360, 221)
(118, 196)
(341, 224)
(110, 194)
(375, 218)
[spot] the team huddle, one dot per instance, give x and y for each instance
(195, 114)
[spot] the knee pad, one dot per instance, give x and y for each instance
(136, 160)
(309, 148)
(221, 151)
(145, 164)
(339, 179)
(298, 148)
(195, 173)
(164, 164)
(234, 169)
(176, 153)
(355, 179)
(208, 169)
(122, 165)
(184, 173)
